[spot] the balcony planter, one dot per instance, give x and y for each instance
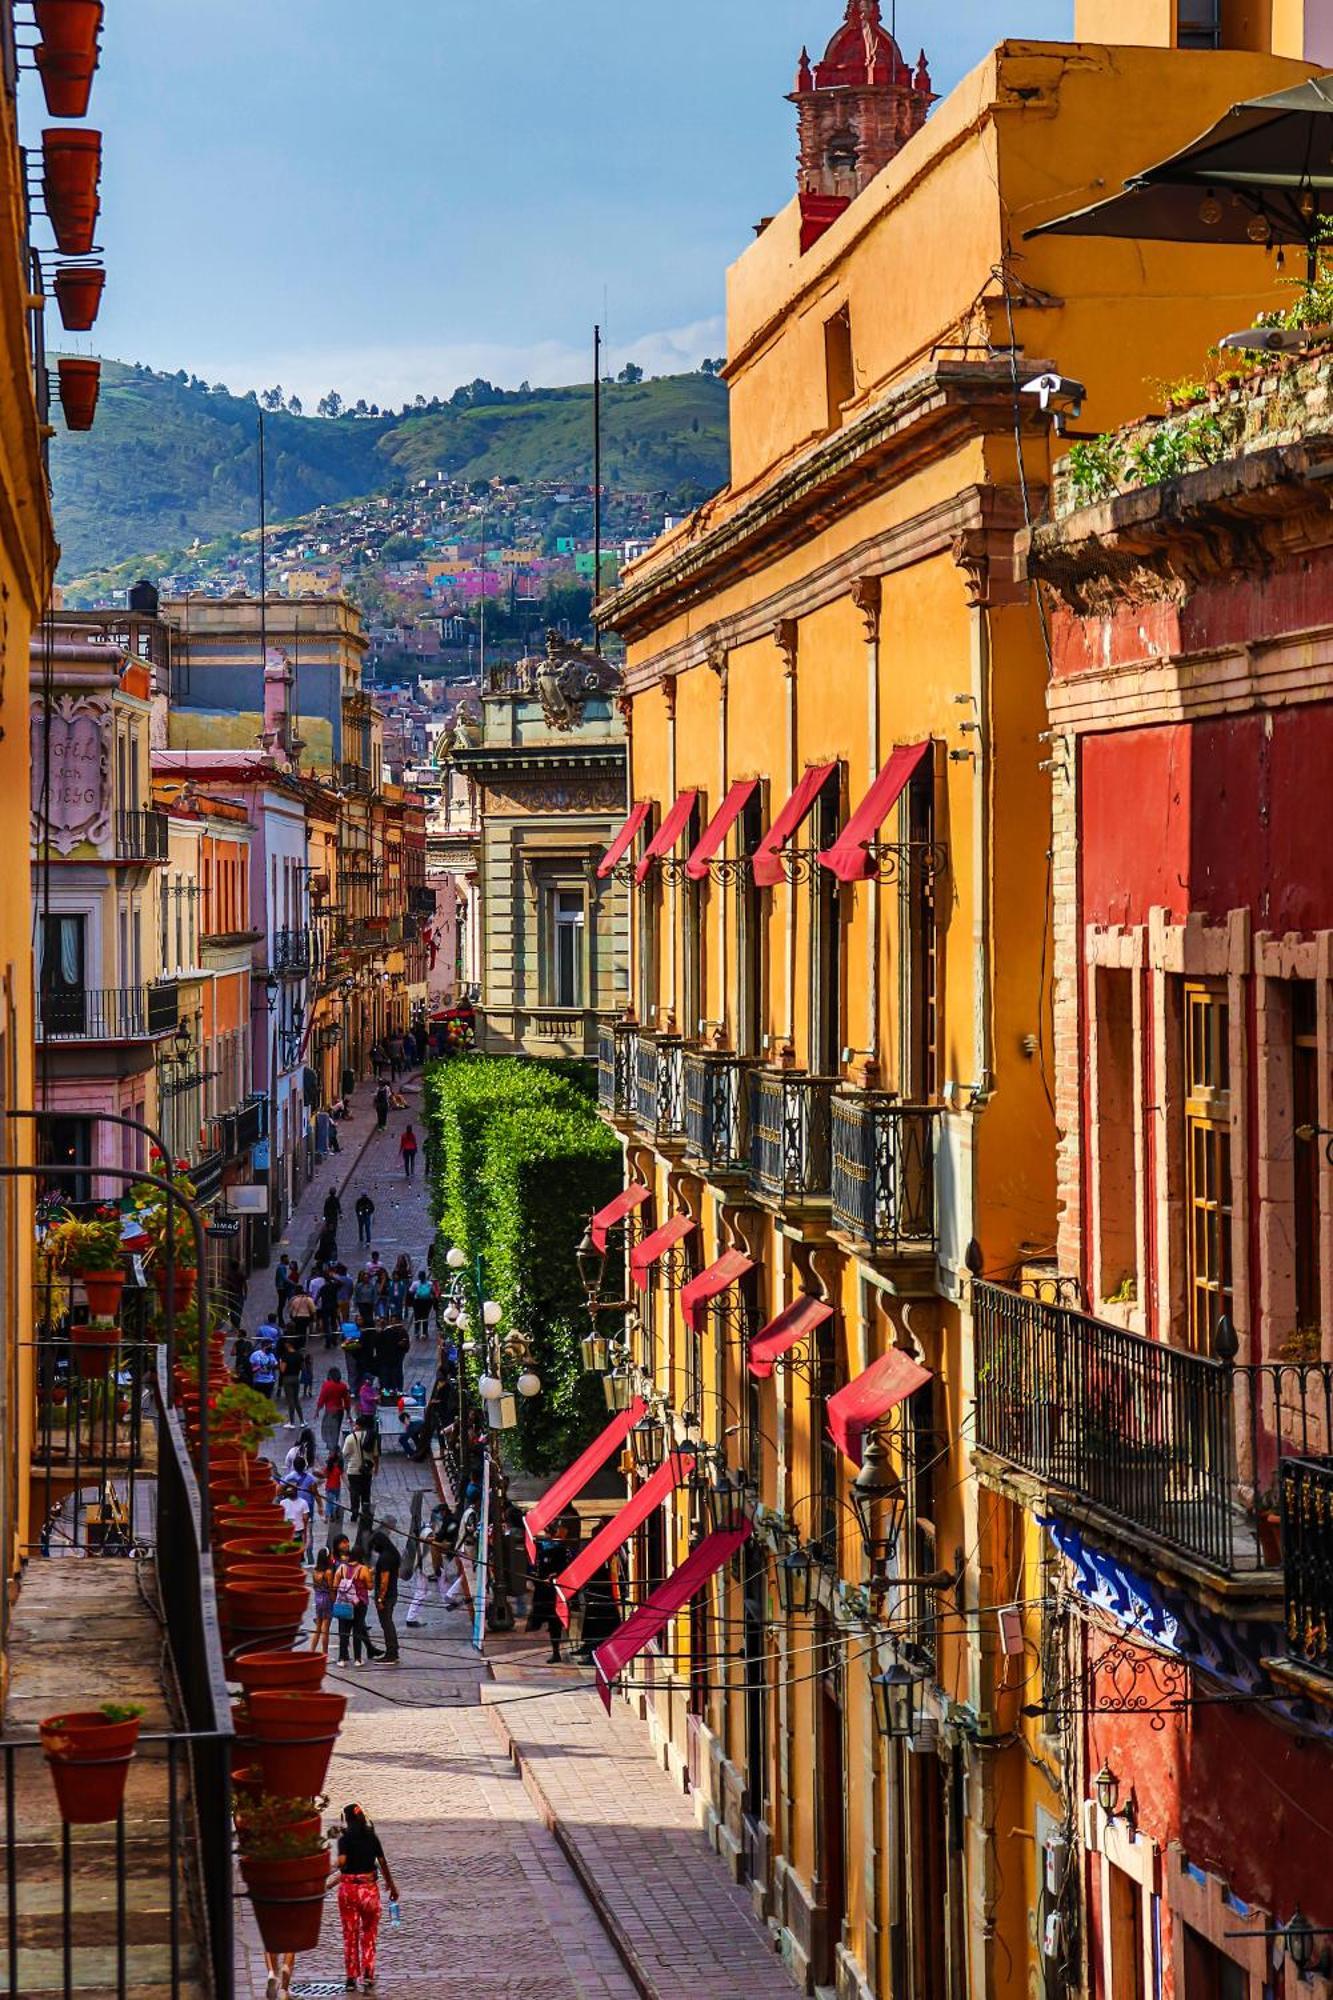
(67, 82)
(69, 27)
(89, 1752)
(259, 1607)
(79, 295)
(262, 1670)
(95, 1347)
(295, 1733)
(80, 382)
(262, 1822)
(287, 1896)
(182, 1287)
(71, 164)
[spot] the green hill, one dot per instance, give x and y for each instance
(170, 459)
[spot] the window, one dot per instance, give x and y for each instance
(1207, 1162)
(692, 938)
(839, 367)
(826, 1018)
(569, 925)
(750, 911)
(919, 958)
(63, 974)
(1199, 24)
(1306, 1156)
(1209, 1974)
(1116, 1143)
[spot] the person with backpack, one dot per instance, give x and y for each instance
(407, 1146)
(360, 1459)
(351, 1603)
(424, 1293)
(365, 1216)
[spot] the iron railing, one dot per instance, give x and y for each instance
(1307, 1561)
(421, 900)
(354, 777)
(790, 1134)
(291, 951)
(107, 1013)
(242, 1128)
(715, 1111)
(141, 836)
(883, 1171)
(617, 1068)
(659, 1095)
(1181, 1446)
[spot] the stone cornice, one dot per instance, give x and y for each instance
(513, 761)
(921, 419)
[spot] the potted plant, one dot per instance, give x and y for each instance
(286, 1874)
(89, 1752)
(294, 1733)
(242, 1417)
(90, 1251)
(261, 1817)
(160, 1219)
(263, 1668)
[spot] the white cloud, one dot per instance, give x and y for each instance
(392, 376)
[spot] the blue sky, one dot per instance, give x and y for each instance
(394, 197)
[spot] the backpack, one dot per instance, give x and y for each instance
(345, 1597)
(423, 1289)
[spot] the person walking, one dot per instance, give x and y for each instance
(360, 1457)
(381, 1107)
(435, 1547)
(264, 1363)
(331, 1406)
(330, 1312)
(289, 1382)
(365, 1216)
(321, 1583)
(423, 1303)
(407, 1146)
(333, 1214)
(282, 1286)
(361, 1861)
(333, 1488)
(351, 1602)
(384, 1575)
(554, 1554)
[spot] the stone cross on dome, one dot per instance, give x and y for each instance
(856, 108)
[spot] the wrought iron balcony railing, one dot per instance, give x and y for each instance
(659, 1096)
(715, 1111)
(141, 836)
(617, 1068)
(1184, 1447)
(354, 778)
(883, 1181)
(421, 900)
(243, 1127)
(291, 951)
(790, 1117)
(108, 1014)
(1307, 1561)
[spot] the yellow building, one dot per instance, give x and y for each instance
(833, 1072)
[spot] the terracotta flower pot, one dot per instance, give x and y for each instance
(80, 381)
(249, 1549)
(258, 1606)
(102, 1290)
(95, 1347)
(275, 1575)
(303, 1825)
(265, 1668)
(89, 1756)
(75, 226)
(182, 1289)
(67, 85)
(71, 162)
(288, 1900)
(295, 1734)
(69, 27)
(248, 1783)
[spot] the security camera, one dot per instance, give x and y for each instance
(1059, 393)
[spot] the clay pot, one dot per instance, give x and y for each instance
(261, 1606)
(182, 1285)
(288, 1900)
(89, 1756)
(303, 1825)
(67, 85)
(295, 1733)
(74, 228)
(80, 381)
(102, 1289)
(95, 1347)
(69, 28)
(265, 1668)
(277, 1574)
(247, 1550)
(71, 166)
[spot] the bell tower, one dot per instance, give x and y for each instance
(855, 109)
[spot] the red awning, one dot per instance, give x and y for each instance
(851, 1411)
(616, 1211)
(802, 1316)
(667, 834)
(848, 857)
(643, 1625)
(730, 1266)
(768, 855)
(620, 846)
(644, 1255)
(719, 826)
(570, 1484)
(659, 1486)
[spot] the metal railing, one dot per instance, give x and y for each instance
(659, 1095)
(92, 1445)
(790, 1134)
(242, 1127)
(1187, 1448)
(715, 1111)
(617, 1068)
(354, 777)
(141, 836)
(107, 1013)
(291, 950)
(421, 900)
(1307, 1561)
(883, 1170)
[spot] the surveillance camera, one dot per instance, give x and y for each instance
(1059, 392)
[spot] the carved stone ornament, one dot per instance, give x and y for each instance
(80, 761)
(786, 637)
(556, 795)
(868, 597)
(568, 678)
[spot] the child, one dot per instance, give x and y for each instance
(333, 1489)
(323, 1586)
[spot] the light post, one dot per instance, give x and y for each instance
(271, 991)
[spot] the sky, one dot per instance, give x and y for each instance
(392, 197)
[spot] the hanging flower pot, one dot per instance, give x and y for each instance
(257, 1606)
(69, 27)
(276, 1823)
(288, 1898)
(182, 1290)
(95, 1347)
(67, 82)
(89, 1752)
(79, 384)
(263, 1669)
(102, 1289)
(71, 166)
(295, 1733)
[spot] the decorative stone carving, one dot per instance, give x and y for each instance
(548, 795)
(569, 677)
(786, 637)
(868, 597)
(80, 762)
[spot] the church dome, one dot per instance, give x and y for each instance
(862, 53)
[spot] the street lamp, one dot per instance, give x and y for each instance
(648, 1441)
(618, 1388)
(879, 1502)
(795, 1577)
(894, 1694)
(595, 1350)
(591, 1264)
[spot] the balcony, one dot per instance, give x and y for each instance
(715, 1111)
(108, 1014)
(1307, 1561)
(354, 778)
(242, 1128)
(617, 1068)
(883, 1182)
(790, 1117)
(659, 1093)
(291, 951)
(141, 836)
(1182, 1448)
(421, 900)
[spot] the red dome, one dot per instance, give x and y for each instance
(862, 52)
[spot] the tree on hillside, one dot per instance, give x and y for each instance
(295, 405)
(330, 405)
(631, 374)
(273, 399)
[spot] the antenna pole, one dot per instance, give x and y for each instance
(263, 554)
(596, 469)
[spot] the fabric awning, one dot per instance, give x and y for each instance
(571, 1483)
(730, 1266)
(793, 1323)
(644, 1255)
(848, 858)
(886, 1382)
(659, 1486)
(643, 1624)
(620, 846)
(667, 834)
(768, 871)
(616, 1211)
(719, 826)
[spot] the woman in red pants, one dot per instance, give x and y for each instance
(361, 1862)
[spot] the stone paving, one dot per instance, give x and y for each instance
(587, 1882)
